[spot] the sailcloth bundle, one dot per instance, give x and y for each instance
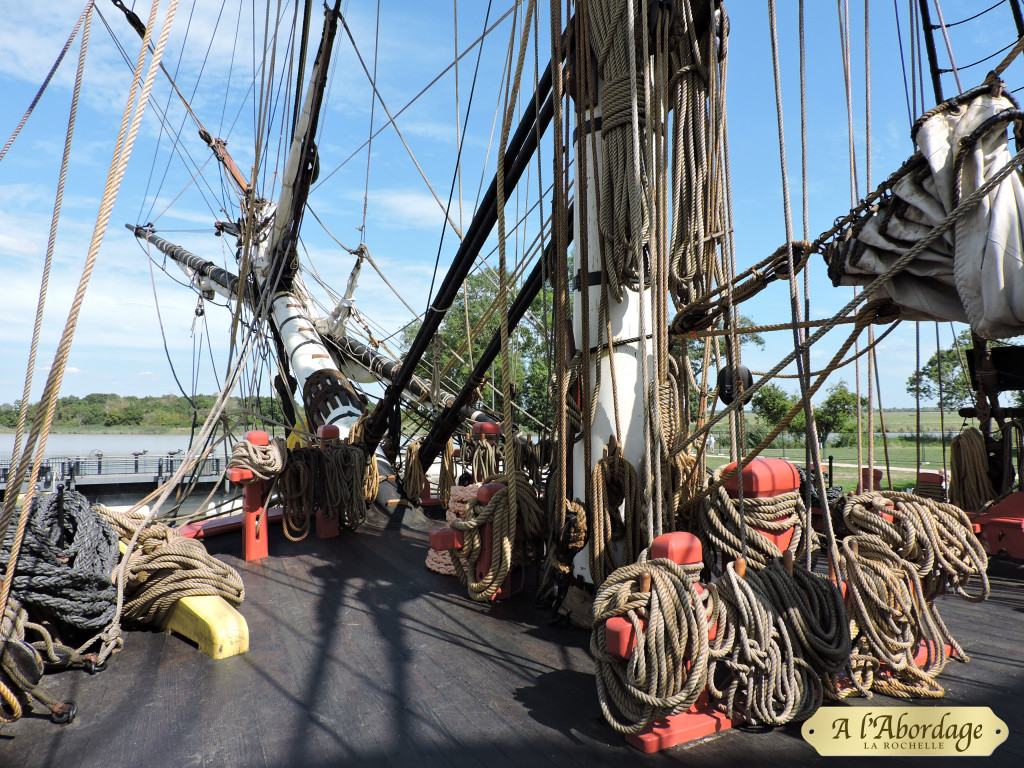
(974, 272)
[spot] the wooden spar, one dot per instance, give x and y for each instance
(455, 412)
(326, 394)
(204, 274)
(301, 167)
(520, 150)
(353, 354)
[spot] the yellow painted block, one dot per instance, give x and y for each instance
(211, 623)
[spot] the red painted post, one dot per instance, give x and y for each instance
(255, 527)
(699, 720)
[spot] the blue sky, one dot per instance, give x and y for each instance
(118, 345)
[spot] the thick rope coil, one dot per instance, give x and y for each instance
(891, 617)
(264, 461)
(770, 682)
(484, 458)
(345, 473)
(498, 512)
(615, 483)
(301, 488)
(440, 561)
(810, 607)
(165, 566)
(446, 479)
(969, 486)
(668, 669)
(721, 527)
(63, 571)
(936, 538)
(415, 477)
(371, 481)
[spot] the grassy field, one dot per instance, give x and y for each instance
(902, 463)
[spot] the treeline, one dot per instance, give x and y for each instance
(110, 410)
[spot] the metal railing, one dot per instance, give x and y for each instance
(142, 468)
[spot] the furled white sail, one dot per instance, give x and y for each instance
(974, 272)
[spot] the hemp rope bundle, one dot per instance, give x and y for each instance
(891, 617)
(770, 682)
(969, 484)
(301, 488)
(345, 484)
(415, 477)
(446, 478)
(936, 538)
(501, 514)
(63, 571)
(615, 483)
(483, 458)
(440, 561)
(165, 566)
(720, 526)
(371, 480)
(264, 461)
(668, 669)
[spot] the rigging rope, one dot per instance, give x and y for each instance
(969, 486)
(166, 567)
(721, 524)
(63, 570)
(505, 516)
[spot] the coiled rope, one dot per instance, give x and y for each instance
(668, 670)
(440, 561)
(165, 567)
(345, 470)
(504, 518)
(770, 681)
(937, 539)
(300, 488)
(334, 480)
(894, 570)
(615, 483)
(721, 526)
(64, 568)
(969, 486)
(415, 477)
(264, 461)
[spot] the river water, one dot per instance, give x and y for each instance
(63, 444)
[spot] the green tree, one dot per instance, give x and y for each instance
(946, 365)
(838, 412)
(527, 343)
(771, 403)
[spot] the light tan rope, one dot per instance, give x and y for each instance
(969, 486)
(668, 669)
(721, 527)
(166, 567)
(85, 17)
(505, 515)
(264, 461)
(130, 122)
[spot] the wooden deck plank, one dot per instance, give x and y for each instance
(360, 656)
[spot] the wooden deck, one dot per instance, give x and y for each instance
(360, 656)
